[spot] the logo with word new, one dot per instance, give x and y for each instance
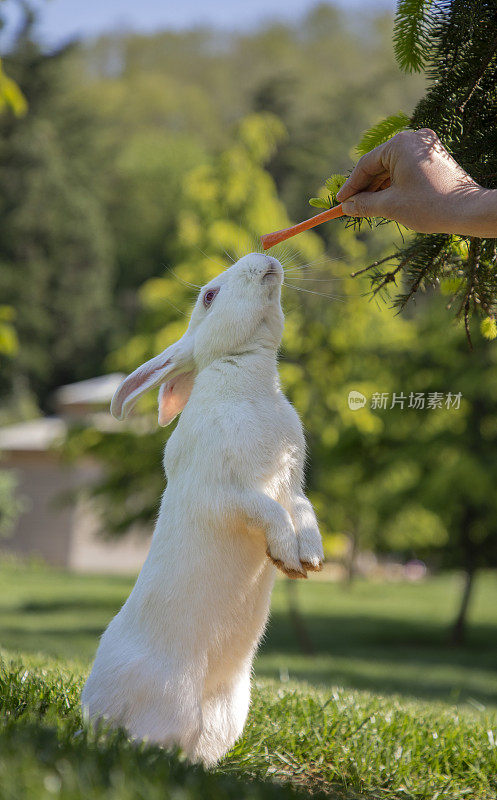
(356, 400)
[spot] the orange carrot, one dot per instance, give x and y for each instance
(270, 239)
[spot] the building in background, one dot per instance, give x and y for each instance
(65, 534)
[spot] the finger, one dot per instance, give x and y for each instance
(378, 183)
(368, 168)
(370, 204)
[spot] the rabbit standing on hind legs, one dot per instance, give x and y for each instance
(174, 665)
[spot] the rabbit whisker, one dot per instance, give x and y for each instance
(209, 258)
(183, 313)
(319, 260)
(310, 291)
(316, 280)
(311, 264)
(294, 272)
(181, 280)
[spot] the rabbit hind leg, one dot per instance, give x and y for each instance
(160, 708)
(173, 719)
(224, 713)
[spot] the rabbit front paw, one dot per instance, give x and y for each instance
(284, 553)
(310, 547)
(290, 572)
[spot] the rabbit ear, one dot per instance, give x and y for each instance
(173, 397)
(176, 361)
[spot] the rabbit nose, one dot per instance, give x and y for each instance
(273, 268)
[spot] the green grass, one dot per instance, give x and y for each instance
(389, 710)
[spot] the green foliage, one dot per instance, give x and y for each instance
(10, 95)
(345, 345)
(130, 491)
(55, 253)
(9, 343)
(488, 328)
(331, 186)
(411, 35)
(416, 529)
(320, 202)
(382, 131)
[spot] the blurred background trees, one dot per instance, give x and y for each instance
(93, 172)
(55, 251)
(143, 165)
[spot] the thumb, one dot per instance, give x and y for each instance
(370, 204)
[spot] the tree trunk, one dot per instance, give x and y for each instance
(351, 555)
(296, 618)
(459, 629)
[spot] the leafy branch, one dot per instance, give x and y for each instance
(456, 44)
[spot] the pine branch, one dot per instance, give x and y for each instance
(381, 132)
(479, 75)
(411, 34)
(456, 43)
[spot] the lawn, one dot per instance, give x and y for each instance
(382, 707)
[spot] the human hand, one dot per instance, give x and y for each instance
(413, 180)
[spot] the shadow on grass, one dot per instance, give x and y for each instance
(333, 632)
(76, 644)
(387, 656)
(363, 651)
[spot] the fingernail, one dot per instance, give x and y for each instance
(348, 206)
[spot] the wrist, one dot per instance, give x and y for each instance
(477, 213)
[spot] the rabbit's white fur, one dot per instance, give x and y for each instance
(174, 665)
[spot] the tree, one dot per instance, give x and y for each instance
(454, 452)
(55, 253)
(455, 43)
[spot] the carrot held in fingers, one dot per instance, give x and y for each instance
(270, 239)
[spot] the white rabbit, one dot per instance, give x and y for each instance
(174, 665)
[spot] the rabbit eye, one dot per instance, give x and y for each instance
(209, 297)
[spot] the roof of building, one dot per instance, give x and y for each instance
(93, 391)
(41, 434)
(35, 435)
